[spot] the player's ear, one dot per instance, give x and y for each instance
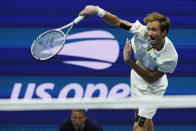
(164, 32)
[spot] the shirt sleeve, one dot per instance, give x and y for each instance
(167, 66)
(138, 29)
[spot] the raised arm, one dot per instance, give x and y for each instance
(148, 75)
(108, 17)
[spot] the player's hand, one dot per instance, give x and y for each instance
(89, 10)
(127, 51)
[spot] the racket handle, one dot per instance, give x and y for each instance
(78, 19)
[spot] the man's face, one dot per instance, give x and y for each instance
(154, 33)
(78, 118)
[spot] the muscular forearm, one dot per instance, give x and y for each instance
(114, 20)
(111, 19)
(145, 74)
(108, 17)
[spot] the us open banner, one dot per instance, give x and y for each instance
(90, 65)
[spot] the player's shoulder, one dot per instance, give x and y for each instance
(138, 29)
(169, 45)
(169, 49)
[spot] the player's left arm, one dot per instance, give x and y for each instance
(148, 75)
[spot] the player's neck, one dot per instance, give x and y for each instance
(160, 45)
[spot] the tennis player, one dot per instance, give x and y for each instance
(155, 56)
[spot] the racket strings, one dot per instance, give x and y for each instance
(48, 44)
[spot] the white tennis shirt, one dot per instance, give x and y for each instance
(147, 57)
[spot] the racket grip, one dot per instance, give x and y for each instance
(78, 19)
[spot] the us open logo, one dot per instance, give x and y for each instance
(98, 47)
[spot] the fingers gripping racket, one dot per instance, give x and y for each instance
(49, 43)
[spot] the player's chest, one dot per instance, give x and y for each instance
(147, 56)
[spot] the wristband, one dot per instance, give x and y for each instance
(101, 12)
(124, 26)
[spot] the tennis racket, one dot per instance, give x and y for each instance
(50, 43)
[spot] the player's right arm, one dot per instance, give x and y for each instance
(113, 20)
(108, 17)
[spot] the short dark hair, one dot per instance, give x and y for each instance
(82, 111)
(164, 21)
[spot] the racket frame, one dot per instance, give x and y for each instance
(39, 37)
(70, 25)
